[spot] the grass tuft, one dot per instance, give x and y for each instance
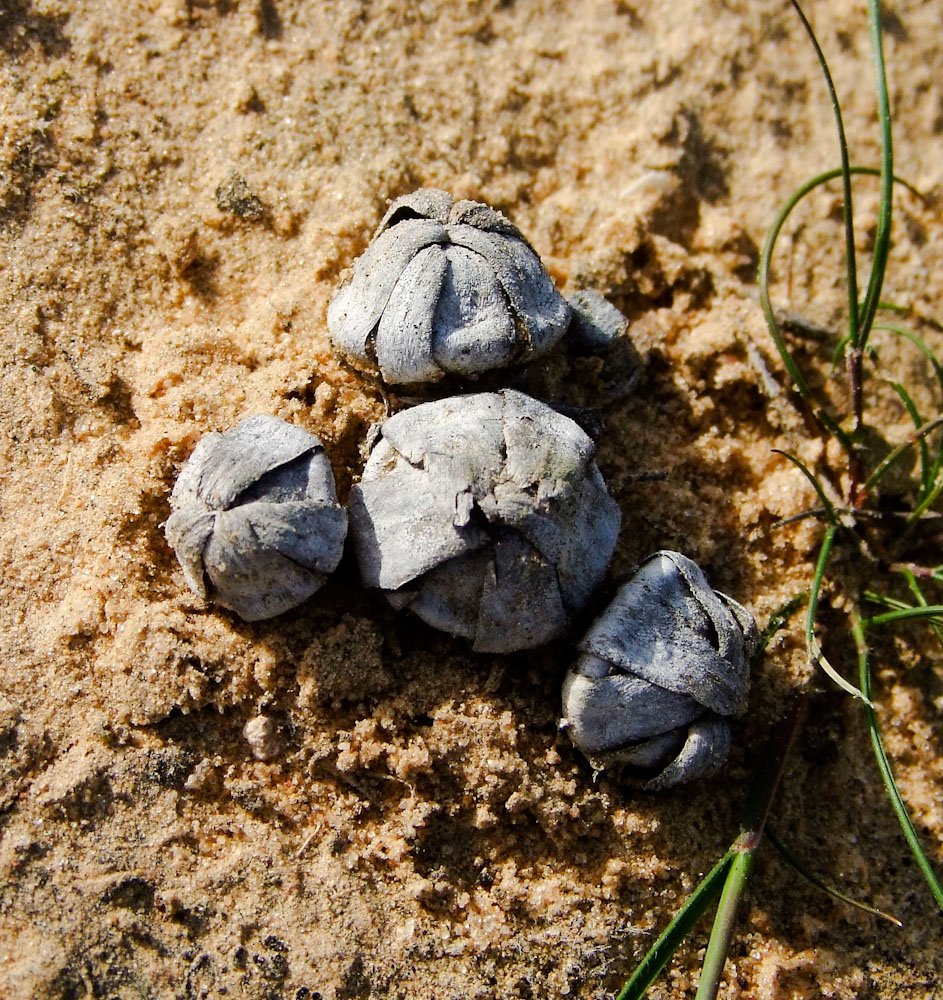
(844, 536)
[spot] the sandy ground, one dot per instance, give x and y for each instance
(182, 186)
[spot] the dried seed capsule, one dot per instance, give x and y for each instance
(445, 288)
(486, 516)
(663, 668)
(256, 524)
(595, 322)
(598, 328)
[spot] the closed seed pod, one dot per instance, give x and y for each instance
(594, 322)
(445, 287)
(661, 671)
(486, 516)
(256, 523)
(598, 328)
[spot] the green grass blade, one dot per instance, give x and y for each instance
(681, 925)
(838, 352)
(935, 477)
(766, 256)
(887, 775)
(919, 343)
(921, 600)
(936, 469)
(812, 644)
(777, 622)
(830, 890)
(851, 265)
(759, 801)
(730, 873)
(872, 597)
(827, 504)
(882, 239)
(715, 957)
(923, 347)
(893, 306)
(926, 503)
(930, 612)
(926, 466)
(895, 453)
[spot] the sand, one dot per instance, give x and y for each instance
(182, 187)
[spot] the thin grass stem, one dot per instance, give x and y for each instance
(812, 644)
(853, 340)
(872, 597)
(893, 306)
(857, 514)
(756, 811)
(933, 474)
(926, 468)
(895, 453)
(882, 239)
(830, 890)
(851, 264)
(930, 612)
(928, 501)
(918, 342)
(921, 600)
(827, 505)
(795, 518)
(903, 818)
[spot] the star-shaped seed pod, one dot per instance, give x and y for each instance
(446, 287)
(661, 671)
(256, 524)
(486, 516)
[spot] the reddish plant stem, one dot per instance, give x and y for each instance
(766, 783)
(856, 493)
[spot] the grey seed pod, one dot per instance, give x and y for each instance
(661, 671)
(597, 327)
(595, 321)
(486, 516)
(256, 523)
(445, 287)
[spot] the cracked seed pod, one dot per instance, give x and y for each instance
(661, 671)
(446, 287)
(256, 523)
(486, 516)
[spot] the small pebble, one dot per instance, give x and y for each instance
(262, 735)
